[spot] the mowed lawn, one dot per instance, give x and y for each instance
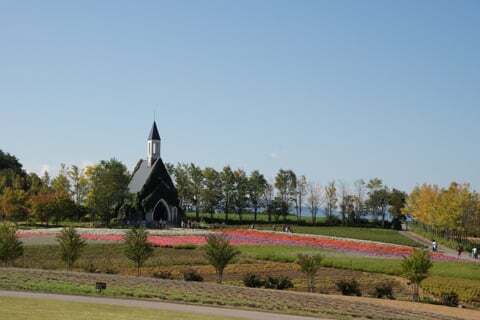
(371, 234)
(43, 309)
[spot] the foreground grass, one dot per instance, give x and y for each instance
(371, 234)
(44, 309)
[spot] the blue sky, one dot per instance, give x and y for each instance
(332, 89)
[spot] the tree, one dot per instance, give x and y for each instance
(309, 265)
(13, 204)
(396, 202)
(8, 161)
(416, 268)
(79, 184)
(269, 196)
(48, 204)
(183, 184)
(137, 247)
(314, 197)
(71, 246)
(257, 186)
(10, 247)
(345, 201)
(196, 177)
(60, 183)
(330, 199)
(219, 253)
(211, 193)
(301, 193)
(286, 184)
(228, 188)
(359, 199)
(108, 188)
(240, 193)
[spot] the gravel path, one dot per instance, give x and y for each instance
(222, 312)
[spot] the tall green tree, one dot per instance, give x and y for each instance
(196, 177)
(13, 204)
(257, 187)
(183, 184)
(286, 184)
(330, 198)
(79, 184)
(60, 183)
(301, 192)
(211, 194)
(108, 188)
(227, 179)
(240, 194)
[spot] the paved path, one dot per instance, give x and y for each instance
(441, 248)
(176, 307)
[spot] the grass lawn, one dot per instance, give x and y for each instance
(43, 309)
(372, 234)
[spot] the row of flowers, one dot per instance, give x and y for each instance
(254, 237)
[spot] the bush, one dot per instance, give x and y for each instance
(252, 280)
(10, 247)
(192, 275)
(384, 290)
(280, 283)
(310, 265)
(349, 287)
(137, 247)
(219, 253)
(163, 275)
(71, 246)
(187, 246)
(449, 299)
(90, 268)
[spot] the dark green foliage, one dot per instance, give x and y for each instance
(219, 253)
(252, 280)
(384, 290)
(192, 275)
(280, 283)
(309, 265)
(163, 275)
(10, 247)
(187, 246)
(416, 268)
(349, 287)
(71, 245)
(449, 299)
(137, 247)
(8, 161)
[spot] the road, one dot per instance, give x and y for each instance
(176, 307)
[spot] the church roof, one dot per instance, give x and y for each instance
(154, 135)
(140, 175)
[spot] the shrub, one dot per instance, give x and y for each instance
(187, 246)
(10, 247)
(349, 287)
(384, 290)
(219, 253)
(252, 280)
(449, 299)
(163, 275)
(137, 247)
(309, 265)
(280, 283)
(90, 268)
(71, 246)
(192, 275)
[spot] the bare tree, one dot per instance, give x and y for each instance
(344, 194)
(314, 198)
(360, 192)
(330, 199)
(302, 186)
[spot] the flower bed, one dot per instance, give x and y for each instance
(247, 237)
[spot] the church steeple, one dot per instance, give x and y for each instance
(153, 145)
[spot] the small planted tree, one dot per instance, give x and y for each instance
(71, 246)
(137, 247)
(415, 268)
(10, 247)
(309, 265)
(219, 253)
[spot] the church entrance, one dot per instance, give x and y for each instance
(161, 211)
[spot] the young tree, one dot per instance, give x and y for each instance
(314, 199)
(309, 265)
(71, 246)
(137, 247)
(219, 253)
(330, 199)
(416, 268)
(196, 177)
(10, 247)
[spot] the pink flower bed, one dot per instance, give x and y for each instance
(254, 237)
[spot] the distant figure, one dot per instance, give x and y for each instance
(460, 250)
(475, 253)
(434, 246)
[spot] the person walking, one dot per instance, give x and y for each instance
(460, 251)
(434, 246)
(475, 253)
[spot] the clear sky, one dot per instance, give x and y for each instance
(331, 89)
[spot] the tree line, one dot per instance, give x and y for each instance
(98, 193)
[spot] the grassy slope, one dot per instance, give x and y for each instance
(372, 234)
(42, 309)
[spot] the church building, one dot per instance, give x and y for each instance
(156, 195)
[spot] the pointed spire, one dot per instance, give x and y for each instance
(154, 135)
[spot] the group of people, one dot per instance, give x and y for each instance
(459, 250)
